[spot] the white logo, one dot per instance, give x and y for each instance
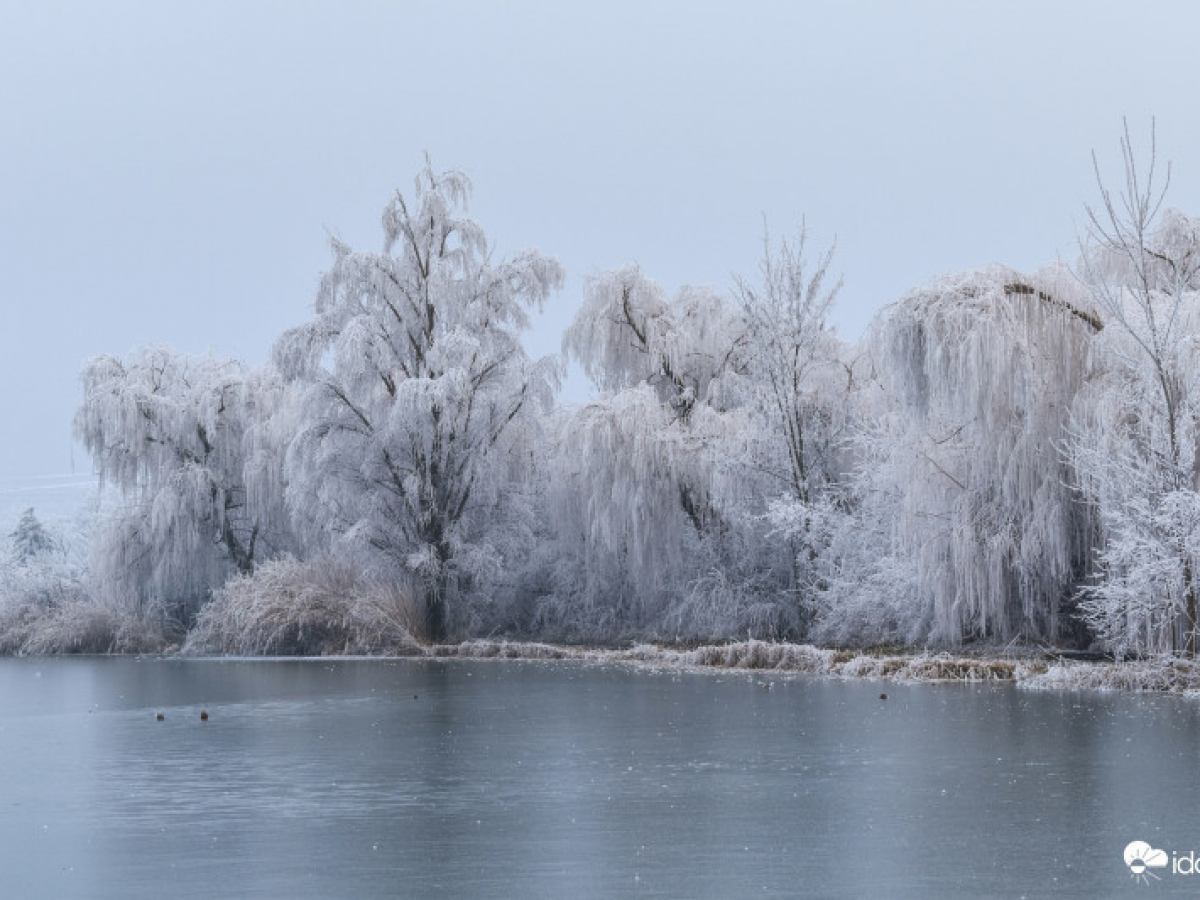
(1141, 858)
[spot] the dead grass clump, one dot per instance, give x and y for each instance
(81, 626)
(862, 667)
(927, 668)
(502, 650)
(1169, 675)
(751, 654)
(943, 667)
(651, 653)
(314, 608)
(43, 612)
(73, 628)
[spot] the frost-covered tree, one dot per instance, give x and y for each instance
(181, 438)
(801, 390)
(792, 353)
(1139, 424)
(977, 374)
(415, 385)
(650, 482)
(29, 539)
(680, 356)
(628, 333)
(47, 604)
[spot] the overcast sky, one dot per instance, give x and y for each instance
(170, 173)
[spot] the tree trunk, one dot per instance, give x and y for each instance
(437, 589)
(804, 611)
(435, 616)
(1189, 587)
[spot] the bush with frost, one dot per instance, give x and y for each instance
(47, 606)
(291, 608)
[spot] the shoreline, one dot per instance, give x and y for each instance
(1166, 675)
(1026, 668)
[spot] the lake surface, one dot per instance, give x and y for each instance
(317, 778)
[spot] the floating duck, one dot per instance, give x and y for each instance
(204, 715)
(160, 717)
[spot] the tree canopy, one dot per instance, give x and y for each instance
(1003, 456)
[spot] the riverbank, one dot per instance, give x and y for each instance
(1049, 672)
(70, 626)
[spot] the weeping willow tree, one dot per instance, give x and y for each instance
(185, 440)
(650, 489)
(979, 372)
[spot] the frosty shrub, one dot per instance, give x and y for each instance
(46, 608)
(764, 655)
(47, 600)
(1158, 674)
(721, 604)
(318, 607)
(505, 650)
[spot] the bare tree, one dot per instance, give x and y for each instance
(793, 349)
(799, 387)
(1142, 265)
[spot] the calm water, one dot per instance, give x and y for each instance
(328, 779)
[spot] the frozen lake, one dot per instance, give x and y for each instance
(501, 779)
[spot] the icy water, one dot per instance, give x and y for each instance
(500, 779)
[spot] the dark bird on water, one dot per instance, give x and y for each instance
(883, 696)
(204, 715)
(160, 717)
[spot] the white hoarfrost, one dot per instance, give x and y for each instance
(414, 387)
(1003, 457)
(179, 437)
(977, 374)
(1138, 425)
(651, 497)
(801, 387)
(319, 607)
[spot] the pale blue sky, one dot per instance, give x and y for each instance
(169, 172)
